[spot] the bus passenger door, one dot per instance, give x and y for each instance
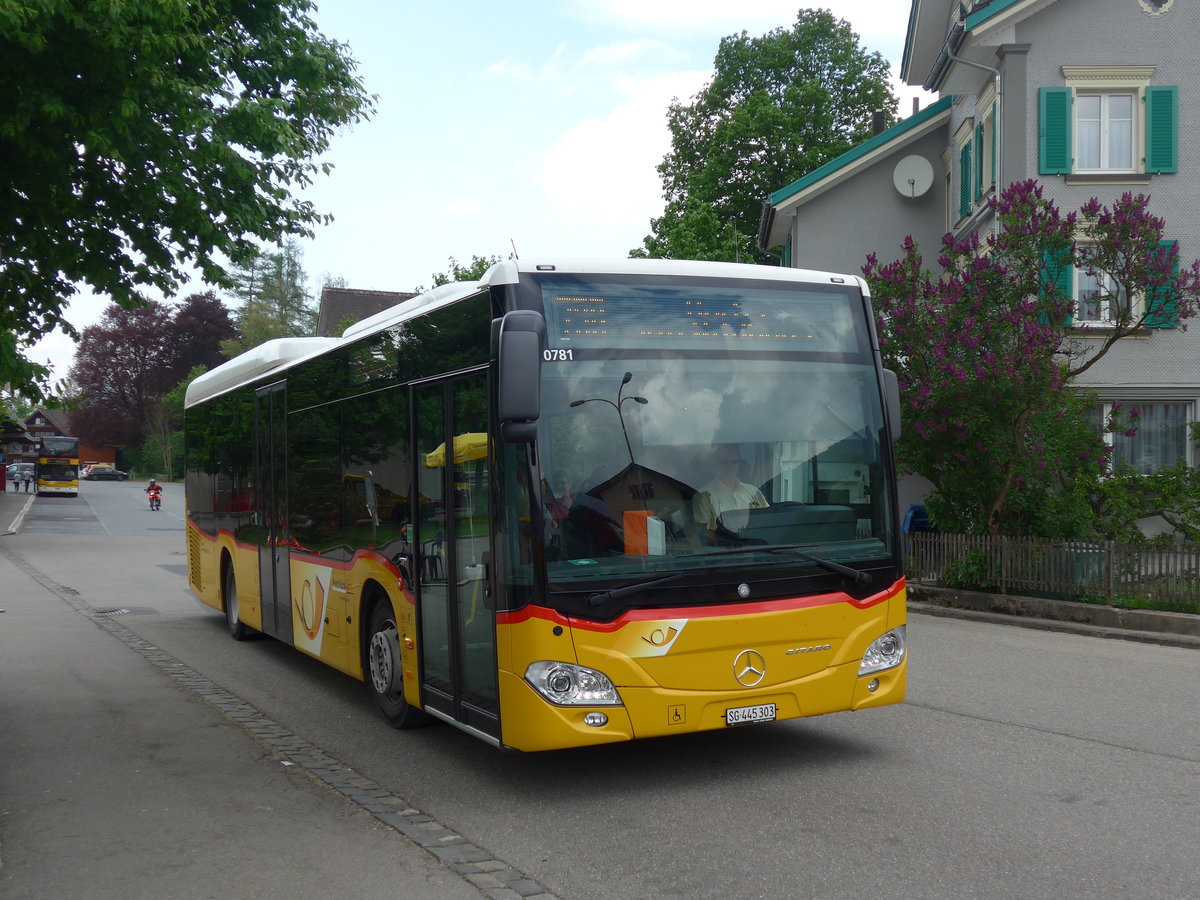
(457, 621)
(273, 538)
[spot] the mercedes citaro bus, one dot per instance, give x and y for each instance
(569, 504)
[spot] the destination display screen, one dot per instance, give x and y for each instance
(792, 317)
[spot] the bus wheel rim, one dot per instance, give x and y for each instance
(385, 660)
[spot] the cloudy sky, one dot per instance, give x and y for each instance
(536, 124)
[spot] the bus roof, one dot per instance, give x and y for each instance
(282, 353)
(507, 272)
(254, 363)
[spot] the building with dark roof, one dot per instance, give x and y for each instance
(340, 304)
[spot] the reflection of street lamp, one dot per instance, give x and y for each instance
(617, 406)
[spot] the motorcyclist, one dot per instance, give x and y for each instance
(154, 491)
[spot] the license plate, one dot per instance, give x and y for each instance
(744, 715)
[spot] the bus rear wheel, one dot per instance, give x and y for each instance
(385, 671)
(237, 629)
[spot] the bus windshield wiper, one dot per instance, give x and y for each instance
(855, 575)
(637, 587)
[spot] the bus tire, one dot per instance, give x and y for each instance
(385, 671)
(237, 628)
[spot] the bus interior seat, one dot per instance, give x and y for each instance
(796, 523)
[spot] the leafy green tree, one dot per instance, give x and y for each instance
(692, 229)
(778, 106)
(985, 357)
(146, 139)
(472, 271)
(162, 450)
(273, 288)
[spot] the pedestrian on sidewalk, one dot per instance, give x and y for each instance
(28, 478)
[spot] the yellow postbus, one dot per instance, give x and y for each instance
(572, 503)
(58, 466)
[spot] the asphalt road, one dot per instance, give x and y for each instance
(1024, 764)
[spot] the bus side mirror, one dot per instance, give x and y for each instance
(891, 400)
(522, 340)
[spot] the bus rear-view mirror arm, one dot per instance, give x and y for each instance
(891, 399)
(522, 341)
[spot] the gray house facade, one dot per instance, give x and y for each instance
(1093, 98)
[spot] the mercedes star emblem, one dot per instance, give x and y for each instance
(749, 668)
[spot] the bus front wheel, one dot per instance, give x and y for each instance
(237, 628)
(385, 671)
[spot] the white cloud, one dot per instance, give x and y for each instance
(462, 206)
(880, 24)
(688, 14)
(521, 72)
(603, 170)
(625, 52)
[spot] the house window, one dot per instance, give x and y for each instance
(1159, 439)
(964, 146)
(985, 154)
(1105, 132)
(1108, 120)
(1099, 300)
(964, 181)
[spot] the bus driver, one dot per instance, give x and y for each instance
(724, 494)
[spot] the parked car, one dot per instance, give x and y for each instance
(103, 470)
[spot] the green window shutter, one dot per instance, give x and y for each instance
(964, 180)
(995, 129)
(978, 162)
(1162, 138)
(1054, 131)
(1160, 303)
(1060, 273)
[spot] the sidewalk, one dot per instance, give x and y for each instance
(12, 508)
(117, 783)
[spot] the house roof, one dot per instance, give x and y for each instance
(11, 428)
(55, 418)
(338, 304)
(848, 165)
(935, 26)
(927, 23)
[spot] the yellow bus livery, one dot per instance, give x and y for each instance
(570, 504)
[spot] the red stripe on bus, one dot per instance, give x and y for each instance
(699, 612)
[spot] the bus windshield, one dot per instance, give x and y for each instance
(757, 429)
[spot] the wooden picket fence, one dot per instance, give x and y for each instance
(1126, 575)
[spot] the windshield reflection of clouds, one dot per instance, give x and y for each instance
(804, 434)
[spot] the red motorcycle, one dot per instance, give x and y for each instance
(155, 494)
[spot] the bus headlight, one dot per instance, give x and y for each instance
(564, 684)
(885, 652)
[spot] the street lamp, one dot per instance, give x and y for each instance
(620, 416)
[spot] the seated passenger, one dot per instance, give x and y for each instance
(562, 497)
(723, 501)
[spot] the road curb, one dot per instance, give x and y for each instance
(1143, 626)
(15, 525)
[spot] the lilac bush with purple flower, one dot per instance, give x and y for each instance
(985, 351)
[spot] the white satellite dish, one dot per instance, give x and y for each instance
(913, 176)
